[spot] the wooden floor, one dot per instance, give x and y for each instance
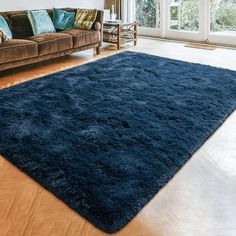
(199, 201)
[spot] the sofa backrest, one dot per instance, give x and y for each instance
(20, 24)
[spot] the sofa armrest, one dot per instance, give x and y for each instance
(99, 19)
(97, 26)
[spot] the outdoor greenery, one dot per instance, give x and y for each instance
(223, 15)
(184, 14)
(146, 13)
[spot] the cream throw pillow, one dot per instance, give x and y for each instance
(85, 18)
(3, 36)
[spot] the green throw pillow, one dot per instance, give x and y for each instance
(63, 19)
(85, 18)
(5, 28)
(41, 22)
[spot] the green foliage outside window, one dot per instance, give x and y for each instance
(146, 13)
(184, 14)
(223, 17)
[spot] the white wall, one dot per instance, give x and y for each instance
(12, 5)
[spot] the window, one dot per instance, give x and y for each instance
(223, 16)
(184, 14)
(148, 13)
(198, 20)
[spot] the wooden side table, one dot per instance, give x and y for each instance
(120, 33)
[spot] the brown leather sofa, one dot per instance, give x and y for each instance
(26, 49)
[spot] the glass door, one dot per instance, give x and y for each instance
(213, 21)
(184, 19)
(148, 16)
(222, 28)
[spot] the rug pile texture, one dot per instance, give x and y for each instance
(106, 136)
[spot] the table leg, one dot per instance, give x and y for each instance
(118, 37)
(135, 34)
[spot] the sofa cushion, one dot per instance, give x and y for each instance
(17, 49)
(83, 37)
(53, 42)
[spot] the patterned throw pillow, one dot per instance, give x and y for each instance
(3, 36)
(41, 22)
(85, 18)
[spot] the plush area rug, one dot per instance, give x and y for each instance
(105, 137)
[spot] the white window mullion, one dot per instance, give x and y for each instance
(124, 10)
(128, 10)
(205, 20)
(164, 17)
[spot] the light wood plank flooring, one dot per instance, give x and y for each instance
(199, 201)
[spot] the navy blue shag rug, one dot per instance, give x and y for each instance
(105, 137)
